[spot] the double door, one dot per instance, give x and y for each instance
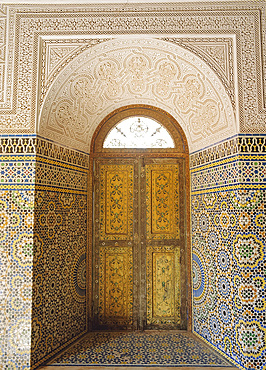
(138, 245)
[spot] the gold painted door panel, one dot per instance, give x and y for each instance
(138, 238)
(113, 244)
(163, 302)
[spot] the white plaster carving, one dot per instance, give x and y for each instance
(3, 46)
(131, 71)
(57, 53)
(25, 25)
(216, 52)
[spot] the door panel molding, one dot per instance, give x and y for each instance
(115, 287)
(163, 286)
(116, 202)
(162, 201)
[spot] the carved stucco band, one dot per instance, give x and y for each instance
(128, 71)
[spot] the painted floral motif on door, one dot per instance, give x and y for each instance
(116, 287)
(116, 202)
(162, 201)
(153, 298)
(163, 285)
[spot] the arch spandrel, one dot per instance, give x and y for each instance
(123, 72)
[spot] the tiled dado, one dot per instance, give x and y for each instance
(228, 248)
(43, 206)
(229, 264)
(240, 144)
(36, 145)
(41, 164)
(16, 253)
(59, 272)
(238, 171)
(241, 164)
(60, 229)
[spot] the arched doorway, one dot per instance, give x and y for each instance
(140, 269)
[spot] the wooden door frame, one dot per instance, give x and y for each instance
(97, 150)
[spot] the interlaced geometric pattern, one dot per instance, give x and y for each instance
(228, 241)
(228, 251)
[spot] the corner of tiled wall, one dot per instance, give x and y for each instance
(60, 244)
(228, 245)
(43, 235)
(17, 158)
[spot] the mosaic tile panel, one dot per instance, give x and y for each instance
(16, 254)
(51, 174)
(240, 144)
(217, 175)
(53, 151)
(34, 224)
(60, 235)
(18, 144)
(17, 171)
(228, 235)
(238, 171)
(229, 265)
(59, 273)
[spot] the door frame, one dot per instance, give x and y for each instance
(180, 151)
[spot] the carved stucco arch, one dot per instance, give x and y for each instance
(127, 71)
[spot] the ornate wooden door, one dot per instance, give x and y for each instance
(138, 243)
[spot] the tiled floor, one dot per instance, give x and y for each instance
(139, 350)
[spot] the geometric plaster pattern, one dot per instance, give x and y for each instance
(224, 221)
(246, 23)
(120, 72)
(3, 21)
(218, 53)
(56, 54)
